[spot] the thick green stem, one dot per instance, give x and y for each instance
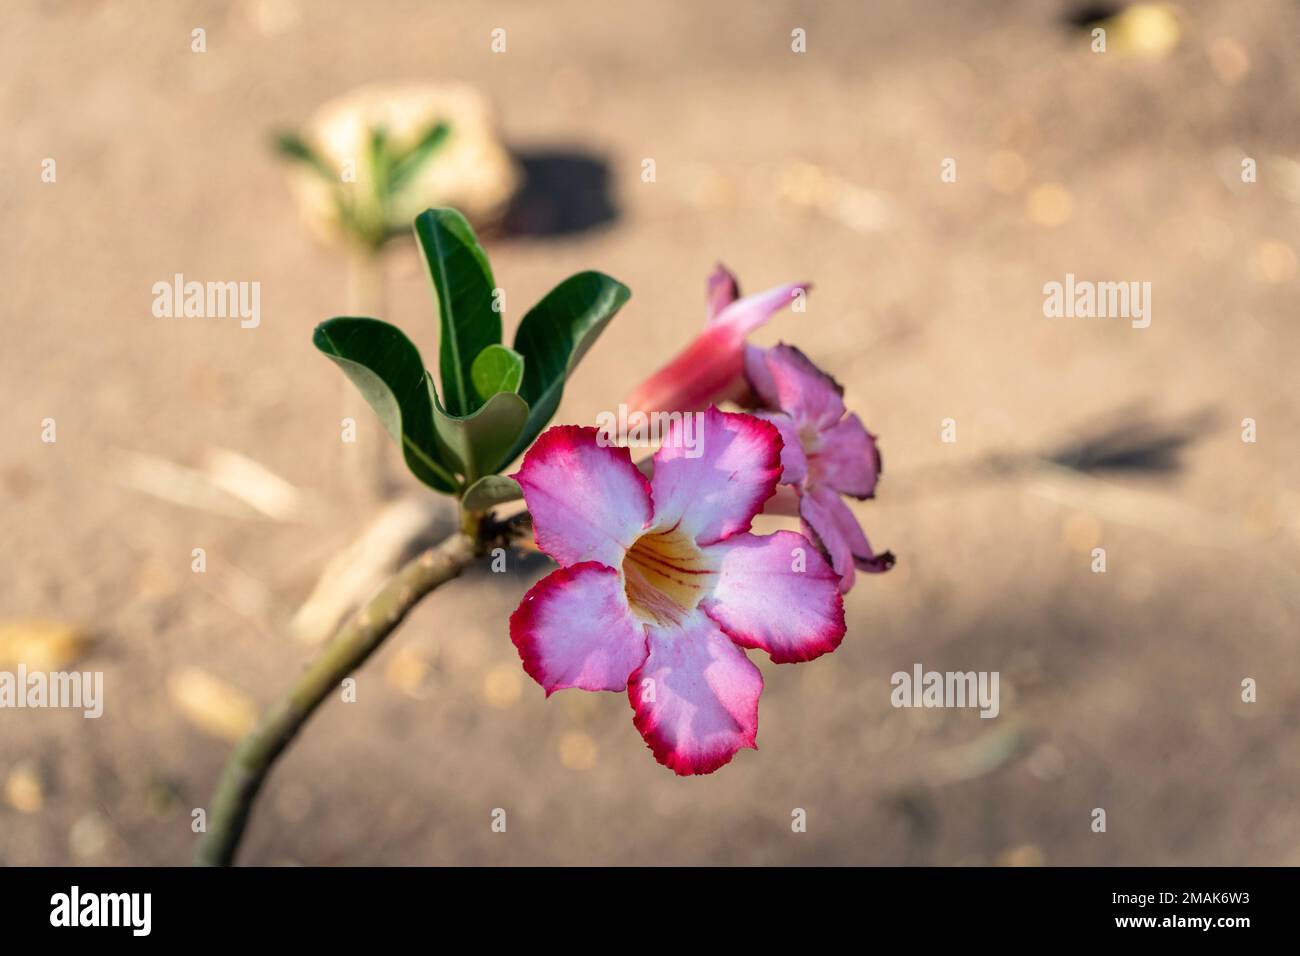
(360, 636)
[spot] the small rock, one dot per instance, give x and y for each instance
(211, 705)
(1027, 854)
(23, 790)
(40, 645)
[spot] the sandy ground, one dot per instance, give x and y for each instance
(1120, 690)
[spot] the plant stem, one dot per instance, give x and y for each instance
(355, 642)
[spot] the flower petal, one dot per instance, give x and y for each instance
(760, 377)
(760, 599)
(695, 697)
(574, 629)
(588, 502)
(794, 465)
(708, 370)
(831, 523)
(848, 459)
(804, 392)
(718, 492)
(711, 368)
(747, 314)
(723, 290)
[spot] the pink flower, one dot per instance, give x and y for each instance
(826, 453)
(711, 368)
(660, 584)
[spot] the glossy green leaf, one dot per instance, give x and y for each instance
(491, 490)
(497, 369)
(479, 443)
(386, 367)
(555, 335)
(461, 276)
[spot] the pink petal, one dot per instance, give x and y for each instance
(760, 377)
(719, 492)
(827, 518)
(747, 314)
(574, 629)
(794, 465)
(821, 525)
(711, 368)
(848, 459)
(761, 601)
(723, 290)
(695, 697)
(588, 502)
(804, 392)
(708, 370)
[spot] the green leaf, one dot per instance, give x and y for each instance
(491, 490)
(408, 164)
(379, 164)
(479, 443)
(497, 369)
(462, 277)
(387, 369)
(292, 146)
(554, 336)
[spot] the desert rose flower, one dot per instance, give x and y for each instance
(661, 586)
(711, 369)
(826, 453)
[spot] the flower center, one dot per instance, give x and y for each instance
(811, 441)
(665, 575)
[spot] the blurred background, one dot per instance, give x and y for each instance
(1119, 690)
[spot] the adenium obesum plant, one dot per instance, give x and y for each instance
(662, 586)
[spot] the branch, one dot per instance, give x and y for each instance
(355, 642)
